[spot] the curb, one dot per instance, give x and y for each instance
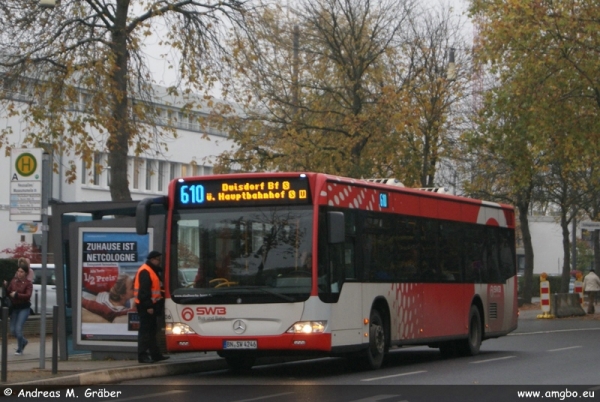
(111, 376)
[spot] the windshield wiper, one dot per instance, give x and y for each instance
(191, 299)
(261, 290)
(281, 295)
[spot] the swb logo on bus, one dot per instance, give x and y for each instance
(187, 314)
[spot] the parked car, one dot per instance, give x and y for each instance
(36, 302)
(187, 276)
(572, 285)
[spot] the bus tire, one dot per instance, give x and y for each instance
(377, 341)
(471, 345)
(240, 362)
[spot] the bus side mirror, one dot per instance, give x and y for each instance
(336, 229)
(142, 213)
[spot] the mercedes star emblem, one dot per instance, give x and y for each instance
(239, 327)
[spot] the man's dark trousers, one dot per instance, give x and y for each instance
(147, 334)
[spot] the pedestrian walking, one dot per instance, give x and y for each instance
(19, 293)
(149, 302)
(591, 287)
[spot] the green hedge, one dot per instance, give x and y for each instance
(8, 267)
(554, 284)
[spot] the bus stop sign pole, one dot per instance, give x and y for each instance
(46, 174)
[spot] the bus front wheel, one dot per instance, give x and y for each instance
(471, 345)
(377, 341)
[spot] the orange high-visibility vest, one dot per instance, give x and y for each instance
(155, 284)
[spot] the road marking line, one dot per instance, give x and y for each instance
(493, 360)
(264, 397)
(149, 396)
(570, 347)
(376, 398)
(551, 332)
(394, 375)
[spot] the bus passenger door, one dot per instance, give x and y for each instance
(339, 286)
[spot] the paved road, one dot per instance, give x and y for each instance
(540, 352)
(541, 356)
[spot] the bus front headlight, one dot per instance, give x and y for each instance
(307, 327)
(178, 328)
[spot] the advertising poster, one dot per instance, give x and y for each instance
(109, 259)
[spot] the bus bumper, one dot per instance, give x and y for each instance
(284, 342)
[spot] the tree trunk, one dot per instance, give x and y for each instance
(527, 292)
(596, 240)
(566, 269)
(118, 141)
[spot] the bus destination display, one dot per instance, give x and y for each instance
(214, 193)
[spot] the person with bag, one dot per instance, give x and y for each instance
(19, 292)
(591, 286)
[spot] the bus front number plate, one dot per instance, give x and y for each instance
(239, 345)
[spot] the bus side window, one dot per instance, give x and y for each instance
(474, 247)
(349, 266)
(450, 251)
(330, 263)
(492, 256)
(336, 267)
(428, 264)
(507, 258)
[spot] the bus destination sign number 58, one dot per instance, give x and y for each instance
(230, 192)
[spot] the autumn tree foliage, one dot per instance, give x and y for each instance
(26, 250)
(540, 123)
(77, 75)
(343, 87)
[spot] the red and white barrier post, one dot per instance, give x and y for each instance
(545, 297)
(578, 287)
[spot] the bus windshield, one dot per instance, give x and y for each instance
(246, 255)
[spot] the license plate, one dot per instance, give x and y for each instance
(240, 345)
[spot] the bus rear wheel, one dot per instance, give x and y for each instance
(471, 345)
(377, 341)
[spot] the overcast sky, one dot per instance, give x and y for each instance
(166, 77)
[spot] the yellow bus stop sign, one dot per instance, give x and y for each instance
(26, 164)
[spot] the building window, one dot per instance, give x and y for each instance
(208, 170)
(185, 170)
(183, 121)
(194, 122)
(197, 170)
(83, 171)
(97, 168)
(162, 175)
(174, 171)
(149, 164)
(137, 167)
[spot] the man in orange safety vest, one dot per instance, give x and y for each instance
(149, 302)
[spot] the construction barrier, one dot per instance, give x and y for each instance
(578, 289)
(566, 305)
(545, 297)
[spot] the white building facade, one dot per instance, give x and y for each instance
(190, 154)
(547, 242)
(546, 239)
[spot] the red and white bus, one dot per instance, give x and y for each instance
(307, 263)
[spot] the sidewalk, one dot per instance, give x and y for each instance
(80, 369)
